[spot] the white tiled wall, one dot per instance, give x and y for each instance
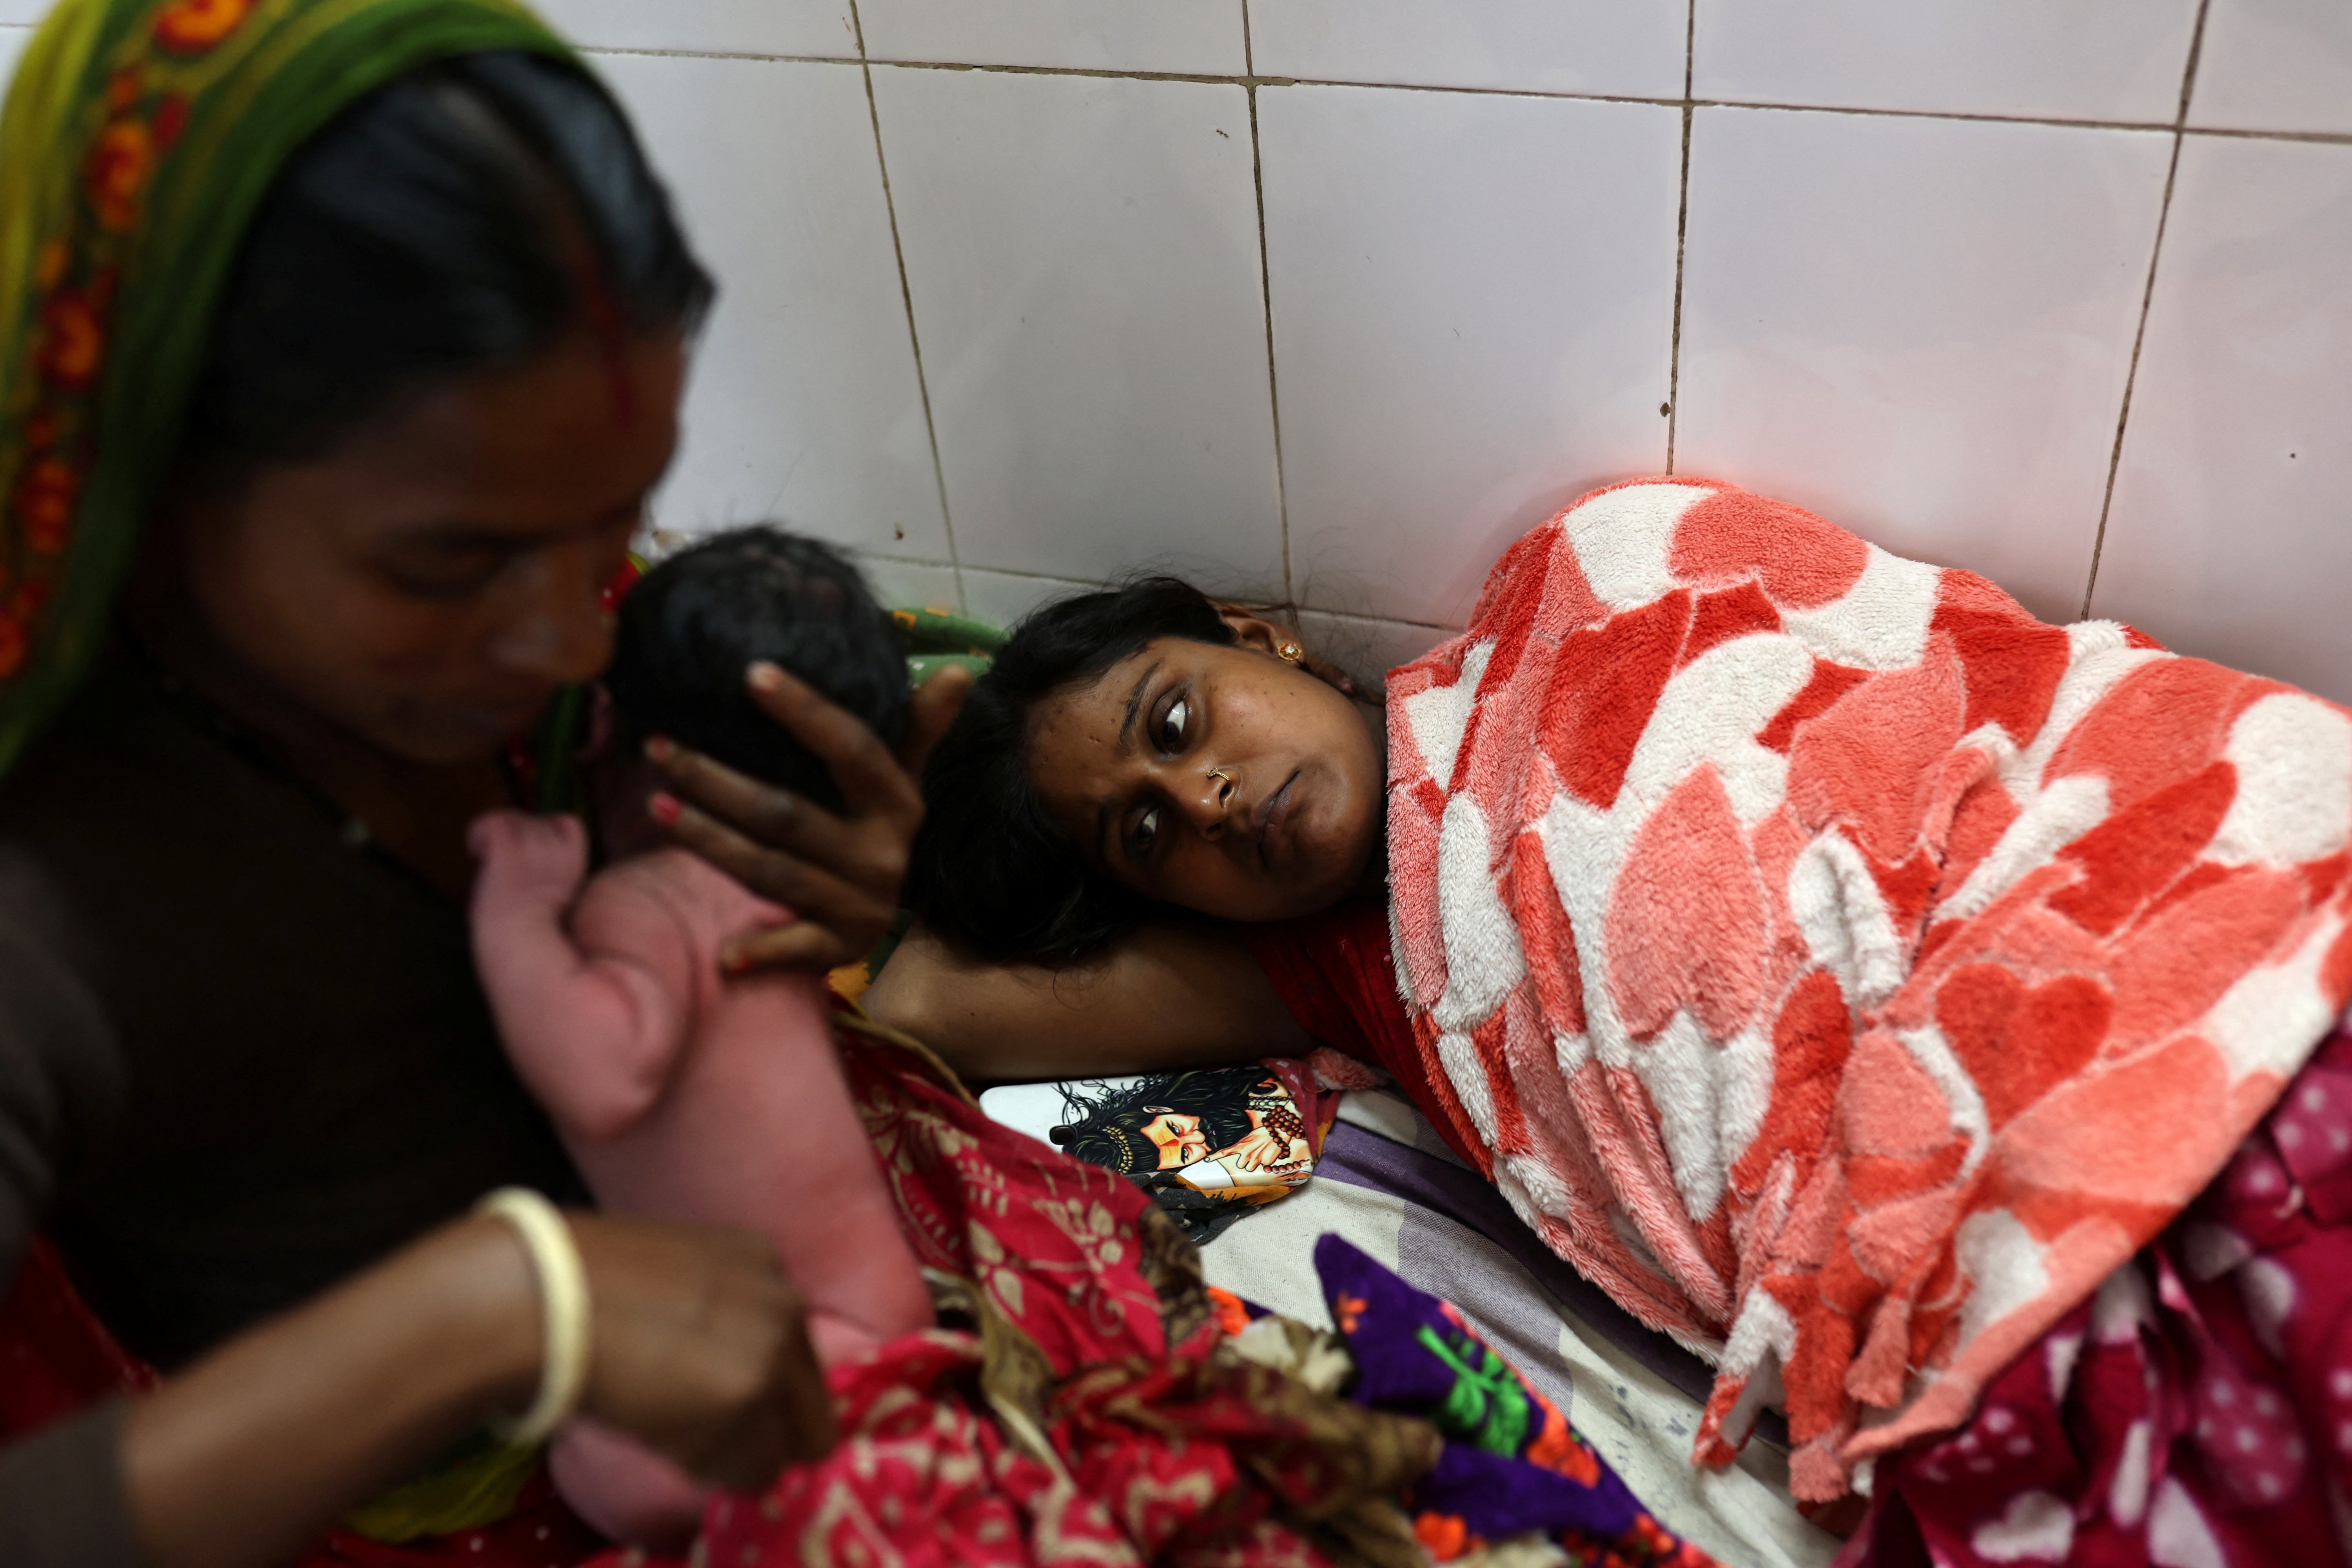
(807, 28)
(1330, 299)
(2276, 64)
(1919, 327)
(1608, 47)
(1326, 298)
(1195, 37)
(805, 403)
(1082, 252)
(2232, 530)
(1472, 318)
(2030, 58)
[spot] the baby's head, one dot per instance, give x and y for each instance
(696, 623)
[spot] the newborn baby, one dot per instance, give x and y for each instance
(680, 1094)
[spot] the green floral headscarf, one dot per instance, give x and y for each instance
(139, 138)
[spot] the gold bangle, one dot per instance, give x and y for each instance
(563, 1313)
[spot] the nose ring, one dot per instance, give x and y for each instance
(1220, 775)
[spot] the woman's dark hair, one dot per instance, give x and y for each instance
(1106, 1129)
(990, 871)
(687, 632)
(456, 220)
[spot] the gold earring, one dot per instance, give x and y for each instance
(1292, 653)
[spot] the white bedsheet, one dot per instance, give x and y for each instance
(1642, 1425)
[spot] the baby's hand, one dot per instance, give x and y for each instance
(528, 860)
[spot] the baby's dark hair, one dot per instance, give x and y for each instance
(990, 871)
(690, 629)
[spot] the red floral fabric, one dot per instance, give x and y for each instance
(1137, 1449)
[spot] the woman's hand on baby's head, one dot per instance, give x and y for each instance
(840, 873)
(527, 859)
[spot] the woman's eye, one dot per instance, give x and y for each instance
(1171, 728)
(446, 579)
(1144, 834)
(446, 587)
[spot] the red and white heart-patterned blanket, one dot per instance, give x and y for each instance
(1843, 968)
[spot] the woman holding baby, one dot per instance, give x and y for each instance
(343, 343)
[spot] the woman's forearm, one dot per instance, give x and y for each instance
(1166, 997)
(260, 1447)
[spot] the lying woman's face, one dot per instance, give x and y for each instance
(1221, 779)
(431, 582)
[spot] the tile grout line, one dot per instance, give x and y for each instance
(1681, 237)
(906, 293)
(2147, 301)
(1375, 620)
(2318, 138)
(2058, 122)
(1094, 583)
(923, 561)
(1265, 299)
(642, 51)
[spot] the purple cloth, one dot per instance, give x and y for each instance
(1511, 1465)
(1440, 1196)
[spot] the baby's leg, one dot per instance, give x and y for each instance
(623, 1490)
(837, 1338)
(827, 1207)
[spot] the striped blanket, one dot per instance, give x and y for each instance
(1844, 969)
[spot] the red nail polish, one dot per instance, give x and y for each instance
(664, 809)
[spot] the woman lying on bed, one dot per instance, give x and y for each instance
(1859, 979)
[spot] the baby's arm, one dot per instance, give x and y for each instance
(594, 1034)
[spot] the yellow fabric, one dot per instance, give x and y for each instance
(477, 1486)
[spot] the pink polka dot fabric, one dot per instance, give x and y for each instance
(2196, 1412)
